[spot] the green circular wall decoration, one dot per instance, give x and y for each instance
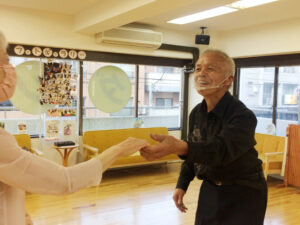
(26, 97)
(110, 89)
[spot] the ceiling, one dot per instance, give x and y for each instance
(93, 16)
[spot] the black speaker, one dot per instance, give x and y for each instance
(202, 39)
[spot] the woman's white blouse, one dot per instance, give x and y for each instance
(22, 171)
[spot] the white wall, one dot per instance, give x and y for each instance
(34, 27)
(269, 39)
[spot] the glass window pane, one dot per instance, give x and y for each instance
(288, 98)
(159, 102)
(256, 92)
(95, 119)
(11, 116)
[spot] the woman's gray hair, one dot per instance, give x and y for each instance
(227, 58)
(3, 42)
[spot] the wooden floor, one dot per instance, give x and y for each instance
(143, 196)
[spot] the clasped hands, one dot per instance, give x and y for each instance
(167, 145)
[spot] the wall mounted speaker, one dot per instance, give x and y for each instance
(202, 39)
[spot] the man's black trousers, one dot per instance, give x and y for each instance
(231, 204)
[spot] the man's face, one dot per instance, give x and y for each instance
(211, 70)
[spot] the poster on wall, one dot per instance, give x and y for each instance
(69, 127)
(52, 130)
(22, 128)
(61, 112)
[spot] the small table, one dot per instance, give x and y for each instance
(64, 152)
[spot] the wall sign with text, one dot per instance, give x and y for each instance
(47, 52)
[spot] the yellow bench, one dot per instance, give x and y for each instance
(271, 151)
(95, 142)
(24, 141)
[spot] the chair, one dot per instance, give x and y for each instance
(271, 151)
(273, 160)
(24, 142)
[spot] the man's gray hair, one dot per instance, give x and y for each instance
(227, 58)
(3, 42)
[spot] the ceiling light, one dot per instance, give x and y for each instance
(203, 15)
(242, 4)
(249, 3)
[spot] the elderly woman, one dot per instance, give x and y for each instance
(21, 171)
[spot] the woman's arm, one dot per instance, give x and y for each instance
(125, 148)
(35, 174)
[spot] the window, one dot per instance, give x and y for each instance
(155, 95)
(95, 119)
(25, 108)
(252, 89)
(256, 92)
(164, 102)
(288, 98)
(164, 69)
(261, 80)
(10, 115)
(268, 93)
(160, 96)
(128, 110)
(6, 103)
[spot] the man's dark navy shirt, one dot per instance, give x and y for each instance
(221, 145)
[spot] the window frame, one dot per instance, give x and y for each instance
(130, 59)
(275, 61)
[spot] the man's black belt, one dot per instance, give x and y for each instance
(251, 177)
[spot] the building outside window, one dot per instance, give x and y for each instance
(258, 95)
(160, 96)
(256, 90)
(287, 98)
(164, 102)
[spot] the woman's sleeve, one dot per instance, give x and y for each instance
(35, 174)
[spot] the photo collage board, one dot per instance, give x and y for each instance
(58, 88)
(58, 85)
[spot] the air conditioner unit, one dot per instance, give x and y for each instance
(131, 36)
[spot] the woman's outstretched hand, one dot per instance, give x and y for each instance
(131, 145)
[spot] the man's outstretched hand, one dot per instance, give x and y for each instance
(167, 145)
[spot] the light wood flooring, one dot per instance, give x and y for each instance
(143, 196)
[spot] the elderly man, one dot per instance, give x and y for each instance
(219, 150)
